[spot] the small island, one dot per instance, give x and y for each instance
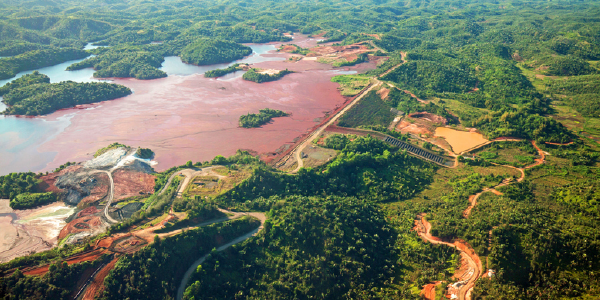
(34, 95)
(263, 117)
(260, 76)
(223, 72)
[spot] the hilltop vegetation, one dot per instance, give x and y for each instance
(208, 52)
(123, 62)
(10, 66)
(222, 72)
(308, 248)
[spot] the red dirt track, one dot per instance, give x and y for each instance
(423, 228)
(97, 285)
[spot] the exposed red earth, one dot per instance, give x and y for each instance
(97, 285)
(429, 117)
(469, 259)
(471, 267)
(199, 116)
(131, 183)
(428, 292)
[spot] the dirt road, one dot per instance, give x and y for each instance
(310, 137)
(189, 175)
(192, 268)
(462, 289)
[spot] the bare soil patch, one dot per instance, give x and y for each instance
(88, 223)
(99, 191)
(130, 183)
(416, 128)
(348, 52)
(316, 156)
(96, 287)
(429, 117)
(383, 93)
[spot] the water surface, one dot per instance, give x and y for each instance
(460, 140)
(174, 66)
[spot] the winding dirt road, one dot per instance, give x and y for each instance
(463, 288)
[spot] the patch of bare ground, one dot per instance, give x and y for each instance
(288, 48)
(316, 156)
(85, 224)
(429, 117)
(383, 93)
(415, 127)
(98, 192)
(348, 52)
(47, 184)
(96, 287)
(130, 183)
(269, 71)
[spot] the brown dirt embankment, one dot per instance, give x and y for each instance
(428, 291)
(96, 287)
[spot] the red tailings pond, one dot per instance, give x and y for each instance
(181, 118)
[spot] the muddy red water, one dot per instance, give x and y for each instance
(194, 118)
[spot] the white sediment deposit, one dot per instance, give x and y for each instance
(107, 160)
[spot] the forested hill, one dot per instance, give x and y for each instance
(44, 98)
(208, 51)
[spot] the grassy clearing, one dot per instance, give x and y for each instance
(465, 113)
(351, 85)
(212, 186)
(516, 154)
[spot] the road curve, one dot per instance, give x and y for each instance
(190, 271)
(110, 195)
(464, 286)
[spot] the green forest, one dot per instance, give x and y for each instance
(30, 98)
(345, 229)
(209, 52)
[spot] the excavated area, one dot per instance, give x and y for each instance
(86, 224)
(129, 183)
(348, 52)
(81, 186)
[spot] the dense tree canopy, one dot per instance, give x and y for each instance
(208, 52)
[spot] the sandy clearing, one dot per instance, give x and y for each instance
(5, 206)
(8, 234)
